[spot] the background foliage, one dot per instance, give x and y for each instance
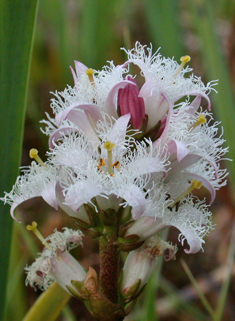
(93, 31)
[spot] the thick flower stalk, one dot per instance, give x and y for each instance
(124, 162)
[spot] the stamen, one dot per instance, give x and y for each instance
(34, 229)
(183, 60)
(116, 164)
(33, 153)
(101, 163)
(195, 185)
(201, 120)
(90, 72)
(109, 146)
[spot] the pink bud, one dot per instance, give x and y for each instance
(130, 102)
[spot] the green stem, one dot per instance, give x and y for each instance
(109, 260)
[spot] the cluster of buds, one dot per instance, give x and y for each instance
(124, 162)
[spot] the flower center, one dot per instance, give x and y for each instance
(183, 60)
(195, 185)
(109, 146)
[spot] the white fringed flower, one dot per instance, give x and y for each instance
(113, 144)
(55, 263)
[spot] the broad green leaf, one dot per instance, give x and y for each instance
(49, 304)
(17, 21)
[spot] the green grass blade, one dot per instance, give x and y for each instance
(163, 22)
(197, 288)
(226, 281)
(17, 22)
(216, 68)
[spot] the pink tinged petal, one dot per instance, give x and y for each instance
(64, 269)
(81, 121)
(90, 109)
(177, 149)
(188, 160)
(81, 214)
(146, 227)
(194, 242)
(207, 184)
(58, 134)
(17, 202)
(111, 101)
(168, 119)
(135, 198)
(117, 134)
(197, 102)
(147, 165)
(81, 193)
(80, 69)
(129, 102)
(49, 194)
(147, 89)
(156, 108)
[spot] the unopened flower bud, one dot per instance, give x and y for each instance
(141, 263)
(130, 102)
(65, 270)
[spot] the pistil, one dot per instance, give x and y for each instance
(195, 185)
(201, 120)
(35, 230)
(109, 146)
(33, 153)
(183, 60)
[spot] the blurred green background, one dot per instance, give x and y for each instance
(92, 32)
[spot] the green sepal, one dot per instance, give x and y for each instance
(133, 238)
(90, 232)
(125, 228)
(80, 287)
(132, 291)
(81, 223)
(129, 246)
(130, 306)
(92, 214)
(108, 217)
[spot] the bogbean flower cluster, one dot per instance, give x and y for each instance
(117, 148)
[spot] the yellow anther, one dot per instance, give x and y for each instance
(183, 60)
(195, 184)
(33, 153)
(35, 230)
(109, 146)
(101, 162)
(32, 227)
(200, 121)
(90, 73)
